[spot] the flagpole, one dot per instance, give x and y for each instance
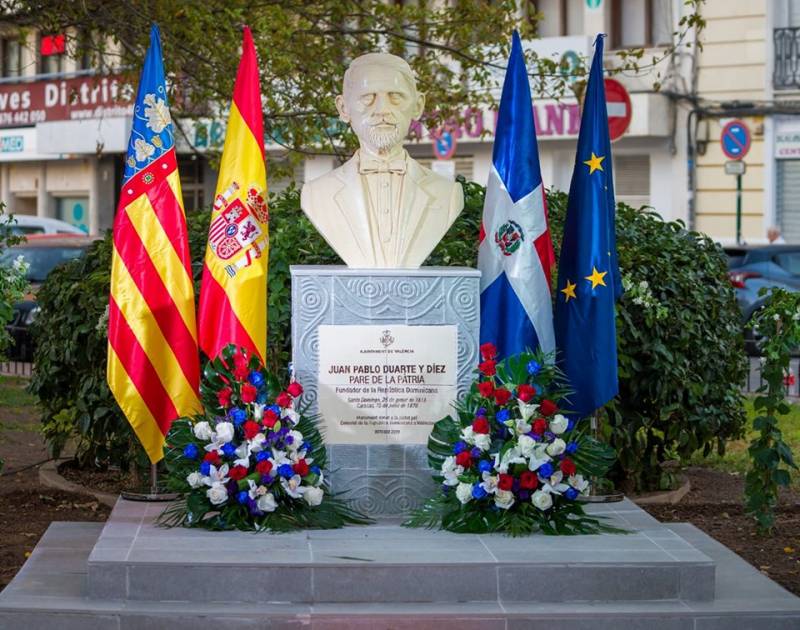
(154, 493)
(595, 496)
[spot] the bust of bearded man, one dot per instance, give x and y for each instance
(381, 208)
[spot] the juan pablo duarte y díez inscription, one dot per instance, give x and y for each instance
(382, 384)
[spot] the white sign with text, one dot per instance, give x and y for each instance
(385, 384)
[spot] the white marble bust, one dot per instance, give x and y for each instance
(381, 208)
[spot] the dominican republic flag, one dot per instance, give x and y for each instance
(515, 254)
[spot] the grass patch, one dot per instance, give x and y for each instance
(13, 392)
(736, 458)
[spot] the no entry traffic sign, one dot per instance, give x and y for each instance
(735, 140)
(444, 145)
(618, 104)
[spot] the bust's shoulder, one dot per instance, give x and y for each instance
(337, 174)
(435, 180)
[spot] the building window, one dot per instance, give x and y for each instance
(52, 49)
(641, 23)
(12, 57)
(632, 179)
(191, 170)
(558, 17)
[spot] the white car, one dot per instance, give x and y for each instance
(27, 224)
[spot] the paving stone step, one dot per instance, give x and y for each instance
(135, 560)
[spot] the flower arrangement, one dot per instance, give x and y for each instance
(252, 460)
(510, 461)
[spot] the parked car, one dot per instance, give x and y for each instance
(43, 252)
(752, 267)
(27, 224)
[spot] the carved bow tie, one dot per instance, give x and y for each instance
(369, 166)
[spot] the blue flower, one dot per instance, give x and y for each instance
(476, 452)
(229, 449)
(306, 446)
(481, 411)
(205, 468)
(524, 495)
(276, 409)
(256, 378)
(261, 456)
(267, 480)
(316, 470)
(485, 466)
(191, 451)
(242, 497)
(459, 447)
(503, 415)
(288, 439)
(478, 492)
(534, 368)
(571, 447)
(546, 470)
(570, 424)
(286, 471)
(261, 398)
(238, 415)
(571, 494)
(252, 505)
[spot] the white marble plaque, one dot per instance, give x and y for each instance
(385, 384)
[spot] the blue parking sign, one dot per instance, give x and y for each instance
(735, 140)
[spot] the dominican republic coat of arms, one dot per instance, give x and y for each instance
(236, 234)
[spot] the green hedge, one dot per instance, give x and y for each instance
(681, 357)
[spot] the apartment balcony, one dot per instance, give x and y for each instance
(786, 73)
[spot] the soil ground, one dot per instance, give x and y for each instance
(27, 508)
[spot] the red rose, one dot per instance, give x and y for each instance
(568, 466)
(250, 429)
(249, 393)
(301, 468)
(488, 351)
(539, 426)
(481, 425)
(488, 367)
(505, 482)
(294, 389)
(526, 392)
(464, 459)
(239, 360)
(283, 400)
(264, 466)
(241, 372)
(237, 472)
(224, 397)
(548, 407)
(213, 458)
(486, 388)
(528, 480)
(269, 419)
(501, 396)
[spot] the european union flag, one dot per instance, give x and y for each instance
(588, 274)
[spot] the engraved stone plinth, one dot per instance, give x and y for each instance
(386, 476)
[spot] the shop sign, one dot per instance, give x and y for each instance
(12, 144)
(787, 145)
(78, 98)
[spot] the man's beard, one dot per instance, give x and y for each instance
(384, 140)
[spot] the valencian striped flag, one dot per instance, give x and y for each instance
(153, 367)
(515, 254)
(588, 274)
(233, 294)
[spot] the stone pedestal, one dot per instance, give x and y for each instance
(385, 476)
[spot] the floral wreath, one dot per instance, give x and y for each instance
(251, 460)
(509, 461)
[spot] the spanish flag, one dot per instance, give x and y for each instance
(153, 368)
(233, 294)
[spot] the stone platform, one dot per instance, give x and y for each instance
(129, 574)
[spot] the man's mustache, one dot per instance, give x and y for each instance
(374, 122)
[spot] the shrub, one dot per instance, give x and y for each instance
(681, 357)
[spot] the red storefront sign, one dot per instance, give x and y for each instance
(25, 104)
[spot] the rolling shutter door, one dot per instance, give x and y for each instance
(632, 179)
(788, 200)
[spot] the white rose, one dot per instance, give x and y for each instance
(556, 447)
(195, 479)
(526, 444)
(266, 503)
(526, 410)
(558, 424)
(224, 432)
(542, 500)
(217, 494)
(313, 496)
(483, 441)
(202, 431)
(504, 499)
(464, 492)
(297, 440)
(468, 435)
